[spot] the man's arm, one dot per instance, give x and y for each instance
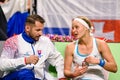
(57, 60)
(7, 59)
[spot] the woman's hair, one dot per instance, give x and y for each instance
(88, 21)
(32, 18)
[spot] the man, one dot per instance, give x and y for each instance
(3, 24)
(24, 55)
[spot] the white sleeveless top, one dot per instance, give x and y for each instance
(94, 71)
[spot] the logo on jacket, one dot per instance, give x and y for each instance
(39, 53)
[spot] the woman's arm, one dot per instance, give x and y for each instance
(105, 51)
(68, 63)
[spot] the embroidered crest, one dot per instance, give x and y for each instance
(39, 53)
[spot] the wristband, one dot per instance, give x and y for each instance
(102, 62)
(25, 60)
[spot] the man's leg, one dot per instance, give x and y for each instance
(23, 74)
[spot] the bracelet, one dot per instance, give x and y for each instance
(102, 62)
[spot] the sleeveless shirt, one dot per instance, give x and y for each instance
(94, 71)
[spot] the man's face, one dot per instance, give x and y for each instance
(35, 31)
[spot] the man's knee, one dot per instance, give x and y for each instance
(25, 74)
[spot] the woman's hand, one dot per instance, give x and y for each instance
(63, 79)
(92, 60)
(80, 70)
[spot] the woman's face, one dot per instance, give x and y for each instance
(78, 30)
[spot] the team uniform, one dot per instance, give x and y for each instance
(16, 48)
(94, 72)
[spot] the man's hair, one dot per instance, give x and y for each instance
(2, 1)
(32, 18)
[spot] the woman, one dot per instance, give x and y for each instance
(86, 57)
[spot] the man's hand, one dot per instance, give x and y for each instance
(32, 59)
